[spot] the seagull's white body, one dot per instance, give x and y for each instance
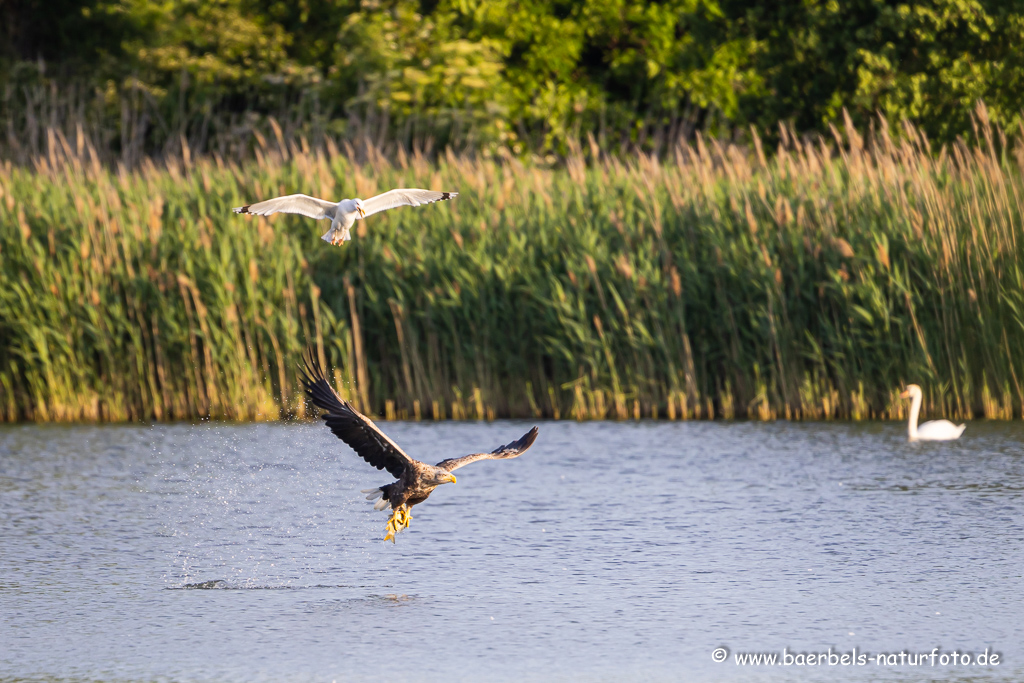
(935, 430)
(343, 214)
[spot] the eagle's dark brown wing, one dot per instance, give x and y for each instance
(512, 450)
(351, 426)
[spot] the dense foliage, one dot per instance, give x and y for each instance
(525, 74)
(814, 283)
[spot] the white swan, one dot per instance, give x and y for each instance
(935, 430)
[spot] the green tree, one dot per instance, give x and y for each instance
(929, 61)
(531, 74)
(417, 67)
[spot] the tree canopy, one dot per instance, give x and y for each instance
(539, 73)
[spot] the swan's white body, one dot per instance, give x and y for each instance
(343, 214)
(934, 430)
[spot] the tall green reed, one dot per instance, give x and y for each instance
(722, 282)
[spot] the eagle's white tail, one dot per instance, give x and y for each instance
(374, 494)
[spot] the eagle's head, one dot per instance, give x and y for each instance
(442, 476)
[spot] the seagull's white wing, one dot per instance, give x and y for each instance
(293, 203)
(396, 198)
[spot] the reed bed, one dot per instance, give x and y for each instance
(809, 283)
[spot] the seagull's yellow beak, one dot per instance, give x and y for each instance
(362, 214)
(452, 476)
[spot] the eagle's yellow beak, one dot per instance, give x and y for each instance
(453, 478)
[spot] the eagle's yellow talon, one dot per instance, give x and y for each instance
(399, 520)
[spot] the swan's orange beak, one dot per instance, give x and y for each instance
(905, 394)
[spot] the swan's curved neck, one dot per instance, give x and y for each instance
(915, 409)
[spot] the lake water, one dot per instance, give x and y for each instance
(608, 552)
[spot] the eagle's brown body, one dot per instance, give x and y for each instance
(411, 488)
(415, 480)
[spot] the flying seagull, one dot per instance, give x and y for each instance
(416, 480)
(343, 214)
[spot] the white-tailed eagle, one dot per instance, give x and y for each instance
(415, 480)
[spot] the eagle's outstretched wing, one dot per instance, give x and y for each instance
(294, 203)
(512, 450)
(351, 426)
(411, 197)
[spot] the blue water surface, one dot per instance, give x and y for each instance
(608, 552)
